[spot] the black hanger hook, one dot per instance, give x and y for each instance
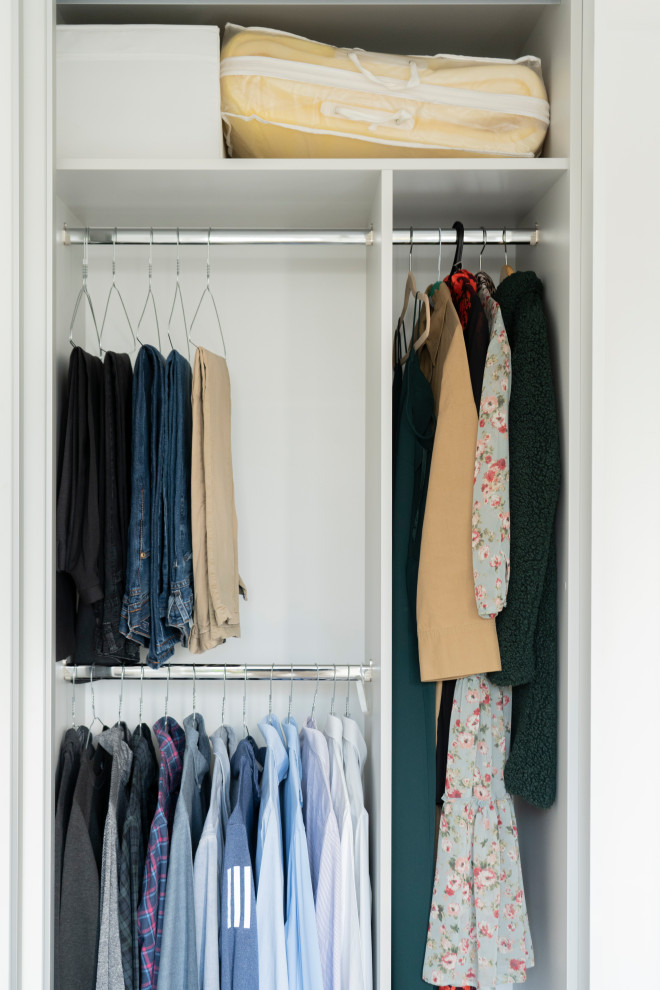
(458, 254)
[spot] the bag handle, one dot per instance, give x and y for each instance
(410, 83)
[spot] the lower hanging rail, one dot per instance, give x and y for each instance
(363, 672)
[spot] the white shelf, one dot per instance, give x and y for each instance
(301, 193)
(485, 28)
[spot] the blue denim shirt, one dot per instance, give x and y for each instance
(178, 375)
(148, 395)
(302, 941)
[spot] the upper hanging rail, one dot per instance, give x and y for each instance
(218, 672)
(203, 236)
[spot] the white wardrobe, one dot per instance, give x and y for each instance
(308, 332)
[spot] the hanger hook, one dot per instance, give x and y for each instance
(506, 260)
(270, 696)
(113, 288)
(73, 696)
(334, 689)
(348, 692)
(194, 695)
(91, 685)
(410, 252)
(290, 694)
(224, 696)
(84, 294)
(141, 696)
(210, 293)
(167, 695)
(121, 692)
(316, 691)
(150, 295)
(245, 728)
(484, 241)
(439, 278)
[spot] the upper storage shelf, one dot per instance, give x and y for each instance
(488, 28)
(300, 193)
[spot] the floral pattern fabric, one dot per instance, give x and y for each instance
(478, 930)
(491, 519)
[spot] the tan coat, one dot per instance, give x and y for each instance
(454, 640)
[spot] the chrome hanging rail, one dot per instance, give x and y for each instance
(162, 236)
(218, 672)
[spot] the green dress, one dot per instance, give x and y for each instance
(413, 703)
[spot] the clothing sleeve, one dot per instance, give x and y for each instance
(238, 916)
(178, 951)
(363, 885)
(270, 912)
(534, 489)
(207, 896)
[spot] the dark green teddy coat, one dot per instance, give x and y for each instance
(527, 627)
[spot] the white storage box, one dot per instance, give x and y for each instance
(138, 91)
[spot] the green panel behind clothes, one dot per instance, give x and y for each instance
(413, 703)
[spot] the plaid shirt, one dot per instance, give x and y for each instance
(171, 739)
(142, 799)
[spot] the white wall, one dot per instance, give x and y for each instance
(625, 778)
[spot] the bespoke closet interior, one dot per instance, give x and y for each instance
(308, 332)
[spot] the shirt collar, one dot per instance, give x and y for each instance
(272, 733)
(353, 736)
(333, 729)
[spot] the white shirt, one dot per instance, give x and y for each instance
(355, 757)
(351, 953)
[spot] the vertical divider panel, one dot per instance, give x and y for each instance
(378, 568)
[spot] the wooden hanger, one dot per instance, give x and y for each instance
(506, 268)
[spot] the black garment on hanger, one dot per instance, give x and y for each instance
(115, 494)
(66, 776)
(81, 871)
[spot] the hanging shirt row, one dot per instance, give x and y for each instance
(476, 482)
(147, 536)
(232, 867)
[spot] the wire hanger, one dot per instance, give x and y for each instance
(121, 694)
(246, 731)
(167, 697)
(95, 717)
(483, 245)
(270, 696)
(439, 278)
(73, 696)
(141, 698)
(206, 291)
(316, 691)
(224, 697)
(411, 284)
(457, 263)
(84, 294)
(422, 299)
(177, 293)
(334, 690)
(113, 288)
(194, 705)
(506, 268)
(288, 718)
(348, 692)
(150, 296)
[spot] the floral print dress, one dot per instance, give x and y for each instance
(491, 534)
(478, 931)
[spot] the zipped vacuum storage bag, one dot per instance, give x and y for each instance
(286, 97)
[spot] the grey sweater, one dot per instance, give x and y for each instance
(109, 971)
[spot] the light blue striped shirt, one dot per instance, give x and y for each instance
(324, 850)
(270, 870)
(302, 941)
